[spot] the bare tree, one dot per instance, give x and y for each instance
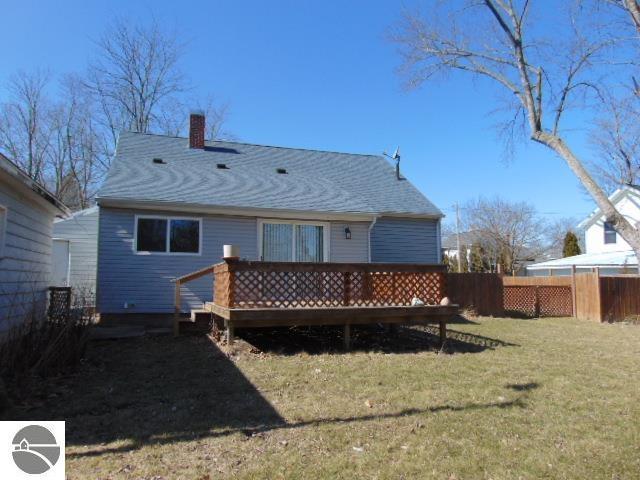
(555, 233)
(174, 118)
(617, 141)
(134, 76)
(24, 129)
(75, 157)
(66, 140)
(508, 232)
(498, 40)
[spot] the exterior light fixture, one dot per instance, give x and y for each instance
(347, 233)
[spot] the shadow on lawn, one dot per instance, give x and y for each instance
(328, 339)
(158, 390)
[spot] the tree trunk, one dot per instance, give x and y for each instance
(621, 224)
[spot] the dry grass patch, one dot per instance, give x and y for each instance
(553, 398)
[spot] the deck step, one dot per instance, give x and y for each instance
(199, 314)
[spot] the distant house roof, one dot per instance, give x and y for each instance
(615, 197)
(77, 214)
(608, 259)
(16, 173)
(231, 174)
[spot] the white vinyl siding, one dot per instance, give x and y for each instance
(81, 230)
(25, 262)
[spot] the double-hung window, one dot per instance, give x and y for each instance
(290, 241)
(169, 235)
(610, 235)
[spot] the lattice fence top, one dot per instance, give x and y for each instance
(308, 285)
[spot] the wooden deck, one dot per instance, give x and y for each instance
(271, 294)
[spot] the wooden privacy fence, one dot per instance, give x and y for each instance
(586, 296)
(497, 295)
(480, 291)
(243, 284)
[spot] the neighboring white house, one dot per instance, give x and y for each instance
(27, 212)
(75, 251)
(604, 247)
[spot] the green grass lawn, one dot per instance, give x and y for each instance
(552, 398)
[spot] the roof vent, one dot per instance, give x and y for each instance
(159, 161)
(281, 171)
(222, 166)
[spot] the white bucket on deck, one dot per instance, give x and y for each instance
(231, 251)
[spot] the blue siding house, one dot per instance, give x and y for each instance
(169, 204)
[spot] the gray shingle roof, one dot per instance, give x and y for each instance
(315, 181)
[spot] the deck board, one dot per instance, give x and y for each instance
(270, 317)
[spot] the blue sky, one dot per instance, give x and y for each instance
(315, 75)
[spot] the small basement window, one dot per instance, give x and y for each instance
(168, 235)
(222, 166)
(159, 161)
(281, 171)
(610, 235)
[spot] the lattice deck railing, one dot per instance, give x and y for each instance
(244, 284)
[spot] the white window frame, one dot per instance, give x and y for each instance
(167, 251)
(3, 229)
(326, 235)
(605, 232)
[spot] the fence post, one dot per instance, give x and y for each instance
(537, 303)
(574, 294)
(176, 310)
(599, 294)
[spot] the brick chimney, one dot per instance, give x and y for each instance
(196, 129)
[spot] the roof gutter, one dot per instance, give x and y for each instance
(14, 173)
(234, 211)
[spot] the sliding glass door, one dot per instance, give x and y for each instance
(293, 242)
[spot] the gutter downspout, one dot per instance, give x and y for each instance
(439, 241)
(373, 223)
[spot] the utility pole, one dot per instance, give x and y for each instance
(458, 238)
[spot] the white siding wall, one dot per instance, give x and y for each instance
(594, 235)
(82, 232)
(25, 266)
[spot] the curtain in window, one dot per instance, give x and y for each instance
(277, 242)
(309, 243)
